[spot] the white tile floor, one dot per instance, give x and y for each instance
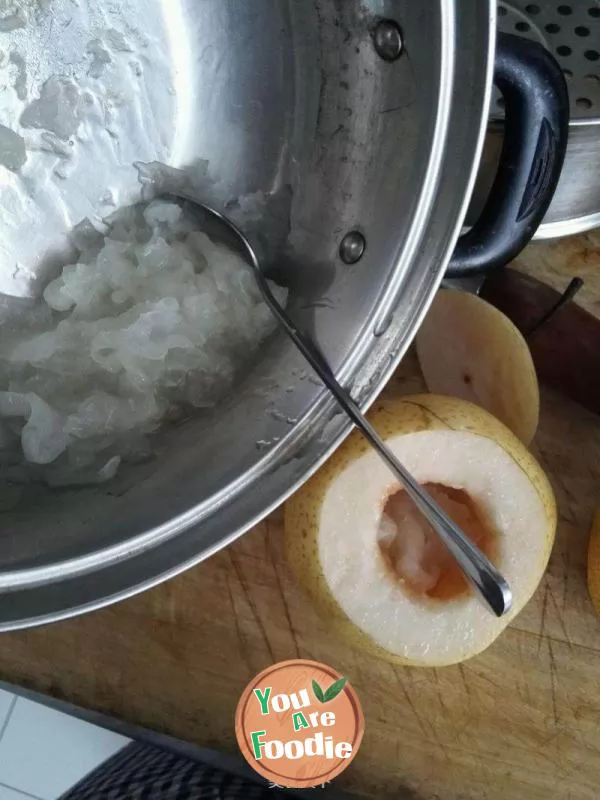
(43, 752)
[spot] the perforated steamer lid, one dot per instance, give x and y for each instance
(571, 31)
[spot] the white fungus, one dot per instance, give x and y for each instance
(154, 318)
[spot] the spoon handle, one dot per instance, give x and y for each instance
(477, 568)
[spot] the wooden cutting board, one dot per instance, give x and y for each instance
(520, 721)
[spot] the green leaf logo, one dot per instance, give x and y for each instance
(335, 689)
(331, 693)
(318, 692)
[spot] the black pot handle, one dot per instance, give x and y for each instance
(536, 131)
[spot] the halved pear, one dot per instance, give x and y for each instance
(469, 349)
(374, 567)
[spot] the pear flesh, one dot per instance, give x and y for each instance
(469, 349)
(373, 565)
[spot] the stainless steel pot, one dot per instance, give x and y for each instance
(361, 122)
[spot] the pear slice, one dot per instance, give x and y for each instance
(469, 349)
(593, 563)
(374, 567)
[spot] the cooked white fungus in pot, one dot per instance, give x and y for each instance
(153, 318)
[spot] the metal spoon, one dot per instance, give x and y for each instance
(477, 568)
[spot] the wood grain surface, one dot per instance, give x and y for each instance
(520, 721)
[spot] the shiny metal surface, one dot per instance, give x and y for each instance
(352, 247)
(571, 31)
(388, 40)
(284, 114)
(491, 586)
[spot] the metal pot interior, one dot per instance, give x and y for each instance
(277, 97)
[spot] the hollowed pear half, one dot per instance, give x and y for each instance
(373, 566)
(469, 349)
